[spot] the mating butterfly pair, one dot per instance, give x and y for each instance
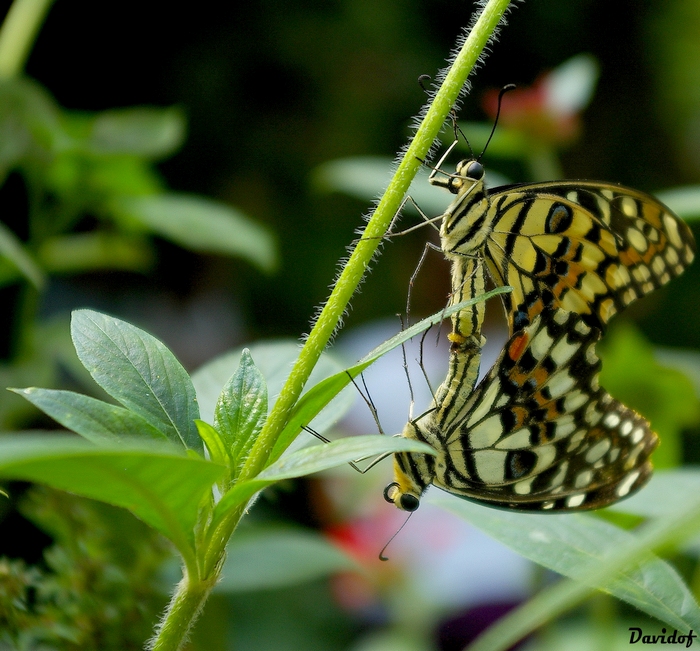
(538, 433)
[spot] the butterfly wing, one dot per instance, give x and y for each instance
(588, 247)
(540, 434)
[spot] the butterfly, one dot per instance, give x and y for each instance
(537, 434)
(588, 247)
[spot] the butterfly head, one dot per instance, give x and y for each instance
(469, 172)
(413, 473)
(406, 501)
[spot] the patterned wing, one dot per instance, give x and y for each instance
(540, 434)
(590, 248)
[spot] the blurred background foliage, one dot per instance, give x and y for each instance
(240, 110)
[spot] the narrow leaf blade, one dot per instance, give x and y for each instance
(315, 459)
(318, 396)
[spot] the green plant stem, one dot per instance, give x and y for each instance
(18, 33)
(184, 608)
(377, 226)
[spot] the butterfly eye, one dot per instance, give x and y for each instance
(475, 170)
(389, 491)
(409, 502)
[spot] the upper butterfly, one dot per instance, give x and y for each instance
(588, 247)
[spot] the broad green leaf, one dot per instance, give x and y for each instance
(145, 131)
(267, 558)
(12, 249)
(95, 420)
(82, 252)
(275, 360)
(201, 224)
(241, 410)
(140, 372)
(315, 459)
(320, 395)
(573, 544)
(675, 525)
(163, 489)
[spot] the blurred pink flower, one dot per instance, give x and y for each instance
(549, 110)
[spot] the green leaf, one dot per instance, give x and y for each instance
(263, 559)
(366, 177)
(573, 544)
(664, 395)
(163, 489)
(95, 420)
(321, 394)
(201, 224)
(328, 455)
(140, 372)
(676, 525)
(145, 131)
(684, 201)
(97, 250)
(12, 249)
(685, 360)
(29, 123)
(274, 359)
(660, 495)
(241, 410)
(315, 459)
(212, 439)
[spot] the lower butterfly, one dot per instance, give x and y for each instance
(537, 434)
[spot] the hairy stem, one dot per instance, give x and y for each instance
(182, 613)
(185, 606)
(364, 251)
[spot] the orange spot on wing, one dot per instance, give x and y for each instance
(517, 346)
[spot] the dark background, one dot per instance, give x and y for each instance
(271, 89)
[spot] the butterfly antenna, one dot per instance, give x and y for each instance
(381, 553)
(504, 90)
(458, 131)
(421, 80)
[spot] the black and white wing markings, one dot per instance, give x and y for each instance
(538, 434)
(588, 247)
